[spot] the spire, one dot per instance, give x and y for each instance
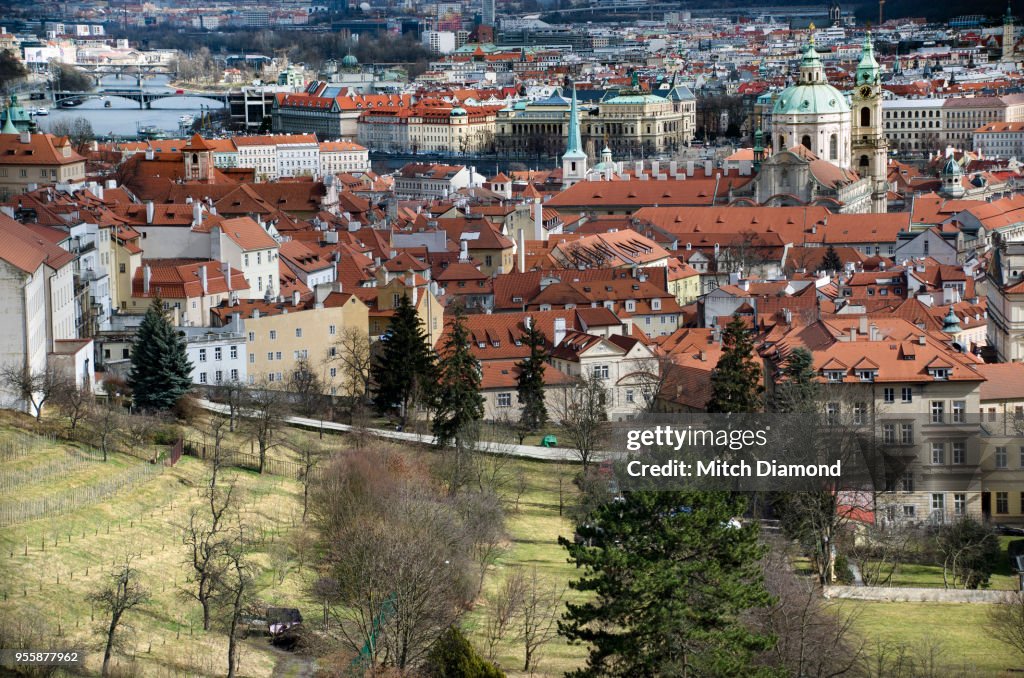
(574, 146)
(812, 71)
(1009, 13)
(951, 324)
(9, 127)
(867, 69)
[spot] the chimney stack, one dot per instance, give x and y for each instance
(225, 270)
(147, 275)
(197, 214)
(463, 251)
(538, 222)
(559, 331)
(203, 280)
(863, 325)
(295, 298)
(522, 251)
(149, 211)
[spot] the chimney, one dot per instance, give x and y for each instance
(538, 222)
(863, 325)
(149, 211)
(689, 168)
(203, 281)
(528, 321)
(638, 168)
(702, 355)
(463, 251)
(559, 331)
(745, 285)
(197, 214)
(655, 168)
(295, 298)
(225, 270)
(853, 334)
(256, 313)
(873, 332)
(708, 168)
(150, 153)
(673, 169)
(522, 251)
(26, 137)
(921, 340)
(147, 275)
(111, 183)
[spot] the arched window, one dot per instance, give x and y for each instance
(864, 161)
(865, 116)
(195, 158)
(806, 141)
(833, 147)
(782, 142)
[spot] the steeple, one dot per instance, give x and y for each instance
(867, 69)
(574, 160)
(811, 69)
(9, 127)
(951, 324)
(1008, 34)
(758, 148)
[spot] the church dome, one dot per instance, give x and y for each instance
(812, 99)
(349, 61)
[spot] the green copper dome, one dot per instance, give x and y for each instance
(810, 99)
(867, 69)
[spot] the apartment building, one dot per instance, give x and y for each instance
(337, 157)
(28, 160)
(435, 181)
(932, 124)
(1002, 140)
(189, 288)
(1005, 292)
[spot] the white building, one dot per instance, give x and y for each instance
(435, 181)
(439, 42)
(343, 157)
(1000, 140)
(298, 156)
(218, 354)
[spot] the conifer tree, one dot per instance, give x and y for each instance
(458, 404)
(403, 371)
(735, 383)
(667, 577)
(161, 372)
(530, 380)
(797, 391)
(831, 262)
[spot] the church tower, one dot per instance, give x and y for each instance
(198, 159)
(868, 143)
(1008, 39)
(574, 160)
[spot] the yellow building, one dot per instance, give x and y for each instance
(28, 160)
(386, 295)
(280, 335)
(683, 282)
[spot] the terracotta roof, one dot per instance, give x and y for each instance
(1004, 381)
(26, 250)
(247, 234)
(180, 279)
(41, 149)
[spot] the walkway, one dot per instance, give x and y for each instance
(511, 449)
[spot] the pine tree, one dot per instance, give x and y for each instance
(530, 380)
(404, 370)
(831, 262)
(458, 404)
(666, 579)
(735, 383)
(797, 390)
(161, 372)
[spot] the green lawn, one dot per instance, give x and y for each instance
(957, 628)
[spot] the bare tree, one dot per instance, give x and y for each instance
(232, 394)
(538, 621)
(206, 536)
(104, 424)
(78, 130)
(1006, 621)
(214, 431)
(484, 520)
(311, 453)
(235, 586)
(581, 412)
(138, 430)
(505, 607)
(354, 353)
(307, 388)
(74, 401)
(117, 597)
(33, 387)
(264, 412)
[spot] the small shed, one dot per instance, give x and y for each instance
(282, 619)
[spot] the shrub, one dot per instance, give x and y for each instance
(452, 656)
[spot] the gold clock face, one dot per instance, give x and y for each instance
(865, 91)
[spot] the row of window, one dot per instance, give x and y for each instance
(301, 354)
(218, 353)
(331, 330)
(218, 377)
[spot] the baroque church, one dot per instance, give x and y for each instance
(830, 148)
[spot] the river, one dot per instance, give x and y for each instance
(124, 116)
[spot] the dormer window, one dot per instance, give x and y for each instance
(495, 343)
(656, 304)
(939, 373)
(630, 305)
(834, 376)
(866, 375)
(481, 344)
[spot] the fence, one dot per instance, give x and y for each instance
(15, 445)
(176, 452)
(251, 461)
(76, 497)
(13, 480)
(914, 595)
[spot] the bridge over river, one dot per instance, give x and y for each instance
(144, 97)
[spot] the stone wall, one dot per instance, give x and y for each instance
(914, 595)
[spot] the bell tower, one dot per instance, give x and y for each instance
(574, 160)
(198, 159)
(868, 143)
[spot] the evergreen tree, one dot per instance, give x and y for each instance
(797, 390)
(161, 372)
(735, 382)
(458, 404)
(831, 262)
(667, 578)
(403, 371)
(530, 381)
(452, 656)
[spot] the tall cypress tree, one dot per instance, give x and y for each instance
(161, 371)
(530, 380)
(797, 391)
(458, 404)
(735, 383)
(403, 371)
(666, 578)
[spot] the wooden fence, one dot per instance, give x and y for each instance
(250, 461)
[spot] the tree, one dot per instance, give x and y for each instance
(797, 391)
(69, 78)
(541, 606)
(232, 394)
(831, 263)
(582, 414)
(161, 372)
(104, 425)
(34, 387)
(458, 404)
(264, 412)
(119, 596)
(530, 380)
(666, 577)
(735, 382)
(307, 388)
(970, 553)
(1006, 621)
(74, 401)
(311, 453)
(235, 587)
(404, 369)
(504, 607)
(11, 69)
(355, 354)
(206, 537)
(78, 130)
(452, 656)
